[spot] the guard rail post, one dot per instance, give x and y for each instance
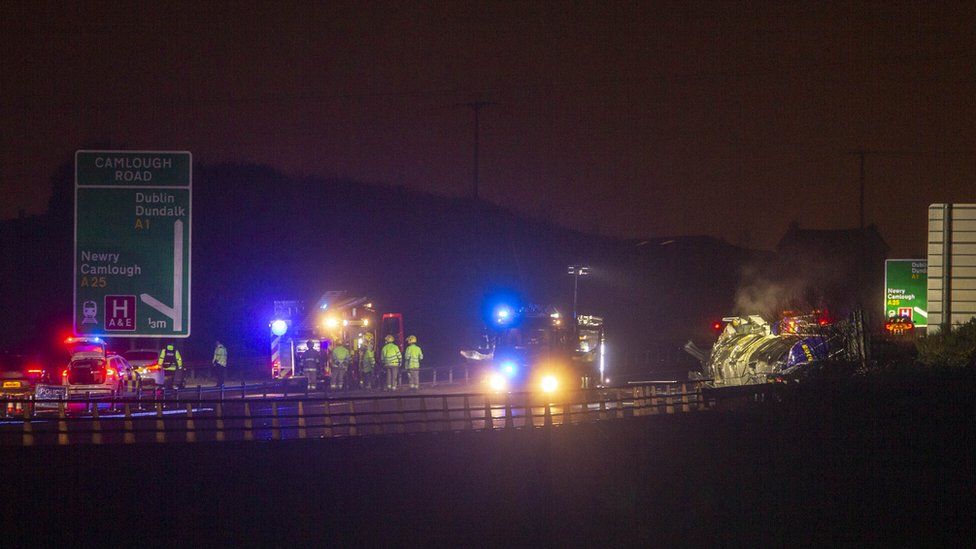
(548, 418)
(129, 437)
(248, 422)
(509, 421)
(219, 413)
(529, 418)
(467, 413)
(603, 410)
(302, 433)
(191, 427)
(63, 439)
(669, 399)
(584, 407)
(447, 412)
(96, 426)
(655, 401)
(353, 430)
(160, 424)
(685, 401)
(489, 421)
(243, 392)
(28, 436)
(275, 423)
(328, 419)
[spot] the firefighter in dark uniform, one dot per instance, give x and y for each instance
(311, 362)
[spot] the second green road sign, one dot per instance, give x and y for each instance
(905, 289)
(132, 243)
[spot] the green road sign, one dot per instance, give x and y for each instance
(132, 243)
(905, 289)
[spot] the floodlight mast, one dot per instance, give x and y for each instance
(576, 271)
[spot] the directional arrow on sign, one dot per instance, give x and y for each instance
(175, 313)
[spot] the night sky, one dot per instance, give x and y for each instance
(646, 119)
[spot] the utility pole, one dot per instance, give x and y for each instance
(862, 156)
(862, 153)
(476, 107)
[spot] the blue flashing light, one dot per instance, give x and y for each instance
(500, 309)
(503, 315)
(509, 368)
(279, 327)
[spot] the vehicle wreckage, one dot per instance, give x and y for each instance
(751, 350)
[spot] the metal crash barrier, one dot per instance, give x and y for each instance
(196, 417)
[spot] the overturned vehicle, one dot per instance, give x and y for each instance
(751, 350)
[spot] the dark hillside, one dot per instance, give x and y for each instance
(260, 235)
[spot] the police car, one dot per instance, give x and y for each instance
(92, 371)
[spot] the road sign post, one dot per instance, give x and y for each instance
(952, 257)
(132, 243)
(905, 290)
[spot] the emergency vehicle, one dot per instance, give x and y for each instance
(92, 370)
(534, 348)
(334, 317)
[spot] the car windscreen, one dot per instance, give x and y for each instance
(140, 355)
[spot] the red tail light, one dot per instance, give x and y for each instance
(64, 373)
(35, 371)
(109, 372)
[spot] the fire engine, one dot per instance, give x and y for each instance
(334, 317)
(535, 348)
